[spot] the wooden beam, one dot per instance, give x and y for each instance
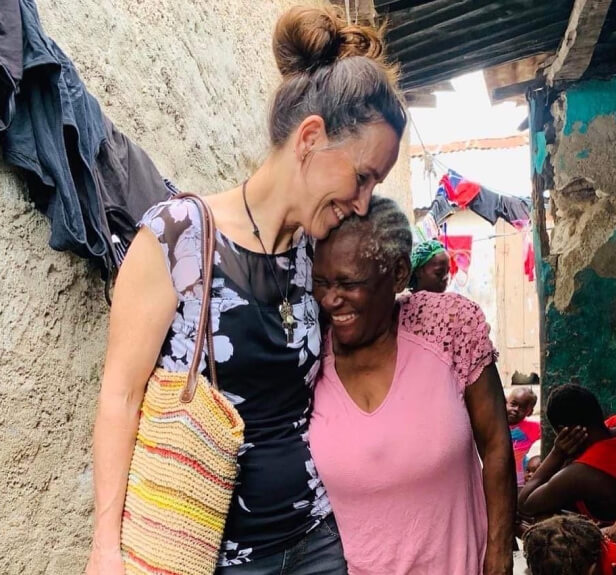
(513, 90)
(420, 100)
(578, 44)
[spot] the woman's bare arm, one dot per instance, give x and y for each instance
(144, 304)
(485, 402)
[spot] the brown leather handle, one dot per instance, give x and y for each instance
(204, 331)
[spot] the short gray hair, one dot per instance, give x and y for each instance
(390, 236)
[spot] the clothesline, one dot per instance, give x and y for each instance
(438, 162)
(494, 236)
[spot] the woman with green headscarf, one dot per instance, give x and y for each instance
(430, 263)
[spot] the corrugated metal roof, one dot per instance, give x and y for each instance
(476, 144)
(435, 40)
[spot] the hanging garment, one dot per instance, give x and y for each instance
(90, 180)
(486, 204)
(440, 209)
(459, 249)
(11, 56)
(55, 134)
(128, 184)
(459, 190)
(529, 254)
(491, 206)
(514, 210)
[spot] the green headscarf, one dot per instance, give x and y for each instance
(424, 252)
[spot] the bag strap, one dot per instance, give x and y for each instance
(204, 331)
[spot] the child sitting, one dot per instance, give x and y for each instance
(532, 466)
(524, 433)
(568, 545)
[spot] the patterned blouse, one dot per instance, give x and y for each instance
(279, 497)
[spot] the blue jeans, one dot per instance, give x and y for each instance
(318, 553)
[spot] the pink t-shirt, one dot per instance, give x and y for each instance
(523, 435)
(405, 481)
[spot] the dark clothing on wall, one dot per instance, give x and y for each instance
(11, 56)
(90, 180)
(55, 135)
(129, 184)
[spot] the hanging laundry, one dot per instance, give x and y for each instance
(514, 211)
(486, 204)
(427, 229)
(491, 206)
(459, 249)
(529, 259)
(440, 209)
(91, 181)
(128, 184)
(11, 56)
(55, 134)
(459, 190)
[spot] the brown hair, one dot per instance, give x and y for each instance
(562, 545)
(332, 69)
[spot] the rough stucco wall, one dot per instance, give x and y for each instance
(577, 278)
(189, 81)
(584, 161)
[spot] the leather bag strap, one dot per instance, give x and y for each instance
(204, 331)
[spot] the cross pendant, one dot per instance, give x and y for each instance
(288, 321)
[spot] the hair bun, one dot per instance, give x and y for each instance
(307, 38)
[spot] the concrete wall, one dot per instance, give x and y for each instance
(574, 157)
(189, 81)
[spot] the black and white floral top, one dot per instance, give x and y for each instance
(279, 497)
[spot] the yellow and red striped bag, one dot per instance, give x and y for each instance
(184, 465)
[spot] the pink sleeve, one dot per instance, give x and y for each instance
(453, 325)
(472, 349)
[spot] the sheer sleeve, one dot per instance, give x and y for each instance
(456, 327)
(177, 226)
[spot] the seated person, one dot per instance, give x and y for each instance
(533, 464)
(568, 545)
(580, 471)
(524, 433)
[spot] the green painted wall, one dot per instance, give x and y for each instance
(578, 340)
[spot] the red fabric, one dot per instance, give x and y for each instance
(459, 248)
(611, 421)
(601, 456)
(529, 260)
(463, 193)
(608, 558)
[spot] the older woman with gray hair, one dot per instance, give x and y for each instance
(408, 407)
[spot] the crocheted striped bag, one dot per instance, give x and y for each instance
(184, 465)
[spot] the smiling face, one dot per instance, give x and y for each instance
(520, 404)
(354, 292)
(434, 275)
(338, 178)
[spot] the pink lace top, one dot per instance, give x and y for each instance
(405, 480)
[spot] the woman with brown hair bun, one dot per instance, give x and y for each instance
(335, 128)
